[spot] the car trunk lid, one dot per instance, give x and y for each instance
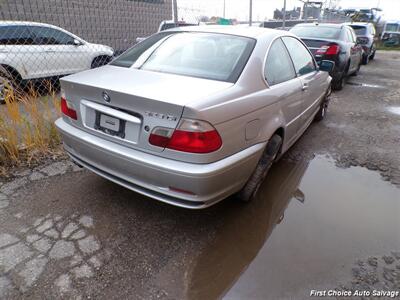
(124, 104)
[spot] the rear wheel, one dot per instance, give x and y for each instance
(339, 83)
(365, 59)
(324, 107)
(373, 55)
(252, 186)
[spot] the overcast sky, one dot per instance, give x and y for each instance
(262, 9)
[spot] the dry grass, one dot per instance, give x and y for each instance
(27, 130)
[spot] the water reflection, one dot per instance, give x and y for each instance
(310, 223)
(394, 110)
(245, 230)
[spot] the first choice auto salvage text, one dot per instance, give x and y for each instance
(356, 293)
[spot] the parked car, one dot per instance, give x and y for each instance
(366, 36)
(168, 24)
(31, 51)
(390, 28)
(190, 116)
(391, 33)
(335, 42)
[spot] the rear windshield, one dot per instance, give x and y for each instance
(130, 56)
(205, 55)
(319, 31)
(166, 26)
(360, 30)
(392, 27)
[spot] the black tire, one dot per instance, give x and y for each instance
(338, 84)
(100, 61)
(365, 59)
(323, 108)
(5, 85)
(355, 73)
(373, 55)
(252, 186)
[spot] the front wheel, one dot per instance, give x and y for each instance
(252, 186)
(324, 107)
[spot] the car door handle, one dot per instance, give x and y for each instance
(305, 87)
(49, 51)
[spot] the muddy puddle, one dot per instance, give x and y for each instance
(367, 85)
(309, 225)
(394, 110)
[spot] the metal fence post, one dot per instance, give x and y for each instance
(175, 10)
(251, 13)
(284, 14)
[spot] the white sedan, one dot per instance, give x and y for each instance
(30, 50)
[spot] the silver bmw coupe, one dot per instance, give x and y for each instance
(193, 115)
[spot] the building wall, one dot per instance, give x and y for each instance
(116, 23)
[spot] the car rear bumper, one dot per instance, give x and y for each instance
(153, 176)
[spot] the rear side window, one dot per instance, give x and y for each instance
(130, 56)
(359, 30)
(351, 35)
(51, 36)
(15, 35)
(278, 66)
(205, 55)
(301, 57)
(320, 31)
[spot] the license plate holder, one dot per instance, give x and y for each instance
(110, 125)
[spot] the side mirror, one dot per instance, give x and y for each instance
(327, 66)
(77, 42)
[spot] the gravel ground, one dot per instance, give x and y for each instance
(360, 129)
(66, 233)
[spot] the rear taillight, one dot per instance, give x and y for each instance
(67, 109)
(190, 136)
(328, 50)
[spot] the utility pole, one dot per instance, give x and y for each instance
(224, 10)
(251, 13)
(175, 11)
(284, 14)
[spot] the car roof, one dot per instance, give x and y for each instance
(245, 31)
(334, 25)
(358, 24)
(8, 23)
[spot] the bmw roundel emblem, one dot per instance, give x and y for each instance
(106, 97)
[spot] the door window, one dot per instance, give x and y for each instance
(349, 36)
(51, 36)
(278, 66)
(301, 57)
(15, 35)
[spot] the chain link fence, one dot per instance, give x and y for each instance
(48, 39)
